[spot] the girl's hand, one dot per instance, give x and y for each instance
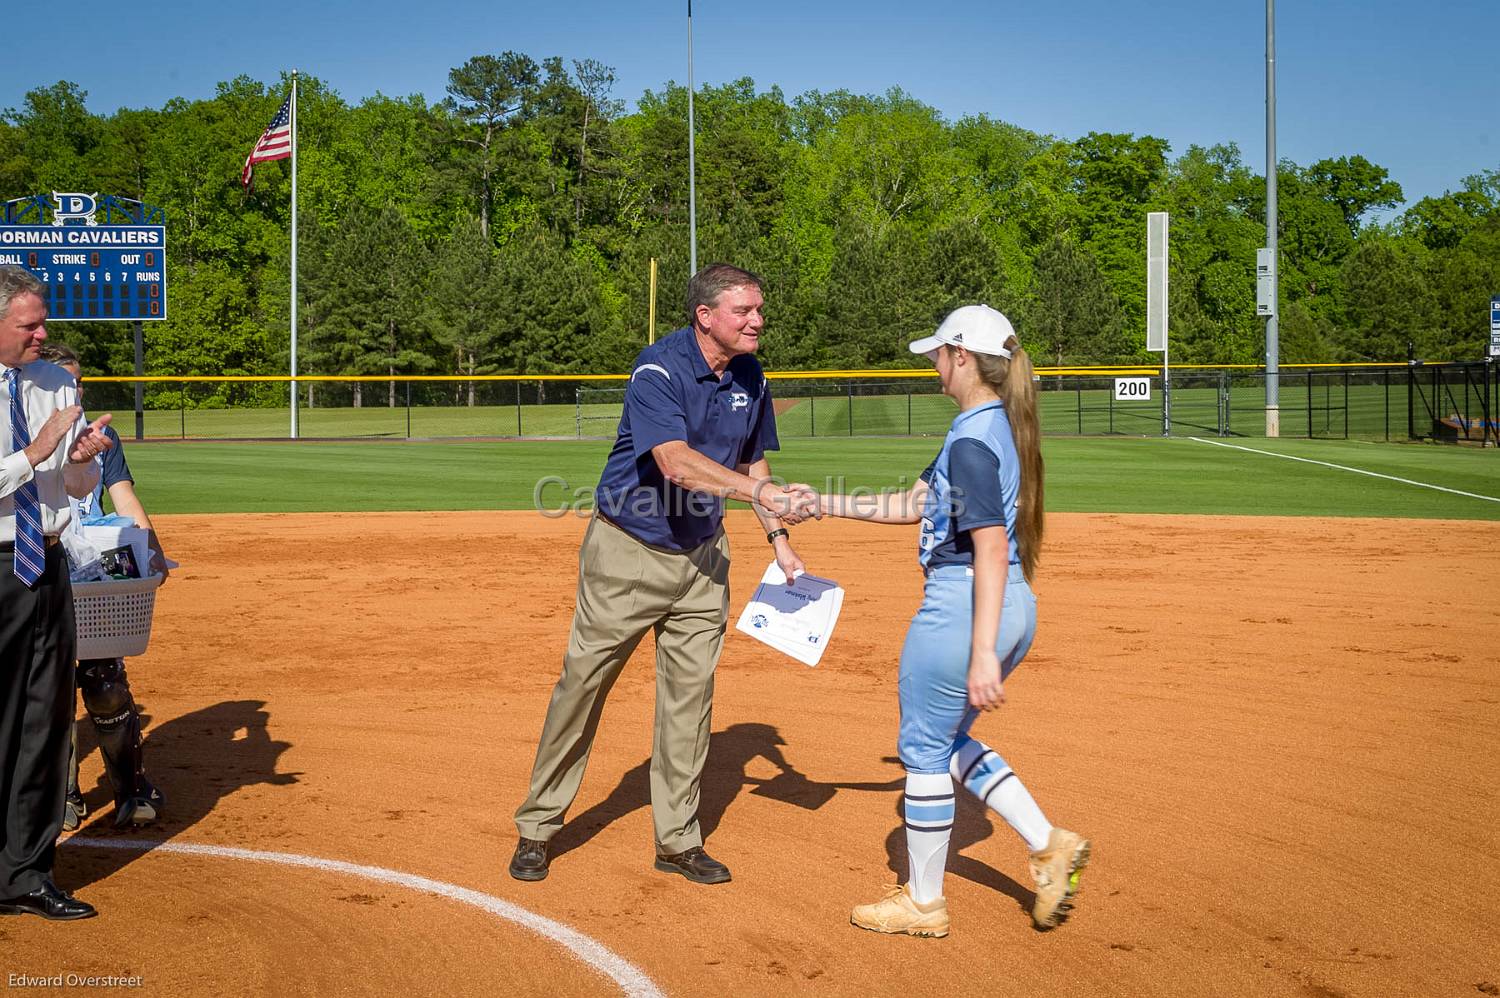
(985, 689)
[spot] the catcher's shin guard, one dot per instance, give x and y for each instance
(117, 723)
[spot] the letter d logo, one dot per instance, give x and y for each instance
(74, 207)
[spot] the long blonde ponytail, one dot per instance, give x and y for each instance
(1012, 381)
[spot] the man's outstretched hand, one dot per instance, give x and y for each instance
(793, 504)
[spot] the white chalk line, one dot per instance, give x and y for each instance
(629, 977)
(1340, 467)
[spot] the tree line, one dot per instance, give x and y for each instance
(507, 228)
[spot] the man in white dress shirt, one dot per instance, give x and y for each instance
(46, 455)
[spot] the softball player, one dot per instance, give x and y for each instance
(980, 506)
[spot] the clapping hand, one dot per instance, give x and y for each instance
(51, 434)
(92, 441)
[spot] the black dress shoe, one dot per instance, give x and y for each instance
(50, 902)
(695, 864)
(530, 860)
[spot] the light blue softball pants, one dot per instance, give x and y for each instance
(934, 677)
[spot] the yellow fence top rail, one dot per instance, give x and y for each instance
(1099, 371)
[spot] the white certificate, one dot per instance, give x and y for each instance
(796, 619)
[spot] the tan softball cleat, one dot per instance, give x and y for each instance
(1055, 870)
(897, 913)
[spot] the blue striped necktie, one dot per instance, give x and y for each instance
(30, 553)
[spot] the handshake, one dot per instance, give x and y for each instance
(794, 503)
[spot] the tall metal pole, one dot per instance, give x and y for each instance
(294, 254)
(1273, 388)
(1166, 390)
(140, 393)
(692, 161)
(651, 309)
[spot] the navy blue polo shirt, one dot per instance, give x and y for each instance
(674, 395)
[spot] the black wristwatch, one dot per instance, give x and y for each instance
(778, 532)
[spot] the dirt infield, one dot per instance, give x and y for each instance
(1280, 734)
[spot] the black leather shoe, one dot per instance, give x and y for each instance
(530, 860)
(50, 902)
(695, 864)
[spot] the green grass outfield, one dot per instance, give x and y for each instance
(1123, 475)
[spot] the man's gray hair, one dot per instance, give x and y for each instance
(15, 281)
(712, 281)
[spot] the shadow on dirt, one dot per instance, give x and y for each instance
(971, 826)
(725, 775)
(196, 760)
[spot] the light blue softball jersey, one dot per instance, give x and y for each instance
(974, 482)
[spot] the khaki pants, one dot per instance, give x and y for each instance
(624, 589)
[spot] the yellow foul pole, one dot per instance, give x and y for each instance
(651, 321)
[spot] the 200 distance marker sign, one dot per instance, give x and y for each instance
(1132, 389)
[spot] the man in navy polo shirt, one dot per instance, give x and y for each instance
(696, 426)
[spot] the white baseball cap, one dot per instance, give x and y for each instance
(976, 328)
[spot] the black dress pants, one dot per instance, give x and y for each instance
(37, 641)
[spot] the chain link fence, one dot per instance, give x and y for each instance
(1448, 402)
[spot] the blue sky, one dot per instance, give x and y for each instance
(1410, 86)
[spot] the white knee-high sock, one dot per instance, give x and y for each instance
(929, 825)
(987, 776)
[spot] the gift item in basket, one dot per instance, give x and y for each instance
(107, 538)
(114, 617)
(119, 563)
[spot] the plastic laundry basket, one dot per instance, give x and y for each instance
(114, 617)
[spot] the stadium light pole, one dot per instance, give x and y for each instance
(1273, 387)
(692, 162)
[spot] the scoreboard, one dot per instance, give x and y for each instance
(93, 271)
(1495, 326)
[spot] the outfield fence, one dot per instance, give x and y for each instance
(1447, 402)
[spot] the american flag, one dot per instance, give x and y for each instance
(276, 143)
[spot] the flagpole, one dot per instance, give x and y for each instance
(692, 165)
(294, 254)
